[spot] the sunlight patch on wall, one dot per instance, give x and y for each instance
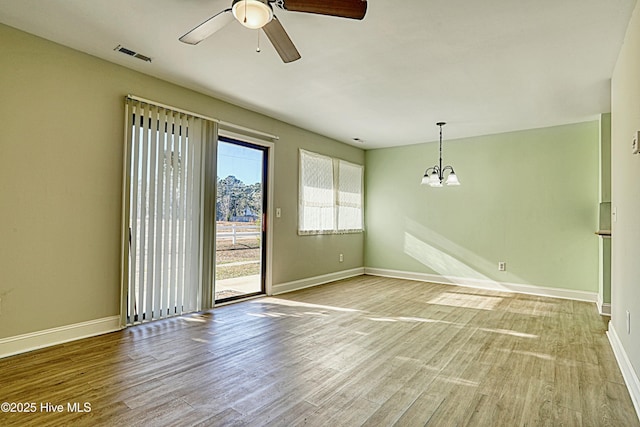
(437, 260)
(433, 250)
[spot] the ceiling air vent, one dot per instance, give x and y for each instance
(130, 52)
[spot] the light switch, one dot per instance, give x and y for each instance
(278, 212)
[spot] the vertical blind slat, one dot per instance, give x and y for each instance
(194, 133)
(171, 302)
(127, 252)
(166, 231)
(142, 218)
(181, 195)
(187, 214)
(159, 208)
(151, 245)
(135, 155)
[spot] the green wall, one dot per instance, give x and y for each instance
(527, 198)
(605, 157)
(61, 150)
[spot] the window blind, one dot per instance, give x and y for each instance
(316, 198)
(330, 196)
(349, 196)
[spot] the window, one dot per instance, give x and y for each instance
(330, 195)
(349, 196)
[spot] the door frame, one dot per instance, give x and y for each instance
(268, 220)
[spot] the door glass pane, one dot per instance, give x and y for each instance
(239, 214)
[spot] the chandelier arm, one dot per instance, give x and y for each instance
(432, 168)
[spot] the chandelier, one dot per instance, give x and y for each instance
(434, 175)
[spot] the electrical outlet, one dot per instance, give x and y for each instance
(341, 258)
(502, 266)
(628, 322)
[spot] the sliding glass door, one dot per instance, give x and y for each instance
(240, 215)
(194, 212)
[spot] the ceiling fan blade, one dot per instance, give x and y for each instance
(354, 9)
(208, 27)
(281, 41)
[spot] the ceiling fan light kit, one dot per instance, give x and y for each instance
(257, 14)
(252, 14)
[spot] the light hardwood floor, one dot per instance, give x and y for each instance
(364, 351)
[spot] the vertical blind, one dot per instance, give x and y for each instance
(165, 169)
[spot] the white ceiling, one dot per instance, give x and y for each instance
(482, 66)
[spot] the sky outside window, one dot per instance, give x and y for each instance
(242, 162)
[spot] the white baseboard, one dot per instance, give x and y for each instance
(603, 307)
(628, 373)
(433, 278)
(486, 284)
(35, 340)
(315, 281)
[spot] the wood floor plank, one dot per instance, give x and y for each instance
(360, 351)
(392, 409)
(538, 404)
(420, 411)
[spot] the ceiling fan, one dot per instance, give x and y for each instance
(259, 14)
